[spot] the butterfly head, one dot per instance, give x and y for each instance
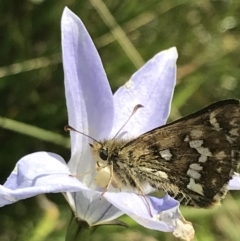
(100, 152)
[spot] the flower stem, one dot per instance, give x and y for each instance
(79, 230)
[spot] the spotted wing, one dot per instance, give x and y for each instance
(193, 158)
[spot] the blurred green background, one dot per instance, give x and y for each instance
(207, 35)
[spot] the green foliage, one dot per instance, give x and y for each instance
(206, 34)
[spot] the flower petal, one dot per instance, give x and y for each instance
(234, 183)
(88, 94)
(37, 173)
(136, 207)
(151, 86)
(96, 211)
(165, 213)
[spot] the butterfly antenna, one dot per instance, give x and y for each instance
(69, 128)
(133, 112)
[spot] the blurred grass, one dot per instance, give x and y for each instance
(35, 132)
(127, 33)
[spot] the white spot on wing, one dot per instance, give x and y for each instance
(214, 181)
(231, 139)
(166, 154)
(202, 158)
(203, 151)
(233, 122)
(213, 122)
(193, 171)
(195, 187)
(186, 138)
(234, 132)
(220, 155)
(196, 134)
(196, 166)
(194, 174)
(196, 143)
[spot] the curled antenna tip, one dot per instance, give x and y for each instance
(133, 112)
(68, 128)
(138, 106)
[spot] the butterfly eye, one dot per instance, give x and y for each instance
(103, 154)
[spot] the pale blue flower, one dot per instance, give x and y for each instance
(93, 110)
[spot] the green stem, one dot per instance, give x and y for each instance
(79, 230)
(34, 131)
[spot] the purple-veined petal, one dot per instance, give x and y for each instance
(88, 94)
(38, 173)
(151, 86)
(234, 183)
(165, 213)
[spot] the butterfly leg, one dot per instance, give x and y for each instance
(109, 181)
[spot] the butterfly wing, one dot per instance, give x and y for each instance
(193, 158)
